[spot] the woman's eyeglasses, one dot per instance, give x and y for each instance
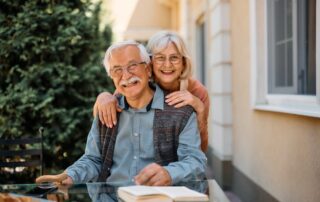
(173, 59)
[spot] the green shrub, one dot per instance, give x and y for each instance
(51, 73)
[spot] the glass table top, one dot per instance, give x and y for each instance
(98, 191)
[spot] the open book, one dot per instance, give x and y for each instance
(150, 193)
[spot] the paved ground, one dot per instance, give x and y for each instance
(232, 197)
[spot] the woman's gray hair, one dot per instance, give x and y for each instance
(108, 55)
(161, 40)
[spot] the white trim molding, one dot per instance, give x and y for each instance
(318, 50)
(305, 105)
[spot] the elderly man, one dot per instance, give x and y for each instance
(153, 144)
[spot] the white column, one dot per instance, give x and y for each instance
(184, 17)
(219, 77)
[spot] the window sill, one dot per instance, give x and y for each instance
(310, 111)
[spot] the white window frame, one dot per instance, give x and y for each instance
(305, 105)
(271, 47)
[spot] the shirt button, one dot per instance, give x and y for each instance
(135, 157)
(135, 134)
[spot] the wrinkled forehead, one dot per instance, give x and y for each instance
(124, 55)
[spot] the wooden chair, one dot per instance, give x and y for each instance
(21, 159)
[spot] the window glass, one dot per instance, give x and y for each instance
(291, 42)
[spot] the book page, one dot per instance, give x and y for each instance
(181, 192)
(140, 190)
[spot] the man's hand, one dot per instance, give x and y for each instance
(67, 181)
(62, 193)
(62, 178)
(107, 106)
(153, 175)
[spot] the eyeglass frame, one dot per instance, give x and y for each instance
(125, 67)
(154, 58)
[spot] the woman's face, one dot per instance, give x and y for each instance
(167, 67)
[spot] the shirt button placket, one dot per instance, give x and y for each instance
(135, 141)
(136, 137)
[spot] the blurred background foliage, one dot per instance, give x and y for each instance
(51, 73)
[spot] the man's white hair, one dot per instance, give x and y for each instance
(108, 55)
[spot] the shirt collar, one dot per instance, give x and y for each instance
(155, 103)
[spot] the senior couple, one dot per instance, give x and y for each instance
(147, 133)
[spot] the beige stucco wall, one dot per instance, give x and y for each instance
(138, 19)
(280, 152)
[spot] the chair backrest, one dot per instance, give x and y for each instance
(20, 158)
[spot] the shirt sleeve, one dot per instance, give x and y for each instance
(191, 164)
(87, 168)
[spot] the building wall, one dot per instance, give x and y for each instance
(279, 152)
(138, 19)
(142, 26)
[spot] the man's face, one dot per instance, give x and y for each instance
(129, 73)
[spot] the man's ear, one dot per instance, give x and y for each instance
(150, 70)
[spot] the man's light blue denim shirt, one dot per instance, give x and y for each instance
(134, 148)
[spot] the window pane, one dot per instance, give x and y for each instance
(289, 59)
(201, 60)
(306, 47)
(311, 44)
(289, 18)
(280, 65)
(279, 20)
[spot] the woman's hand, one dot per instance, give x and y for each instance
(184, 97)
(107, 107)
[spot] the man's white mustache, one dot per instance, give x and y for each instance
(129, 81)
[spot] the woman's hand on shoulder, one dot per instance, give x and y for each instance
(182, 98)
(106, 107)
